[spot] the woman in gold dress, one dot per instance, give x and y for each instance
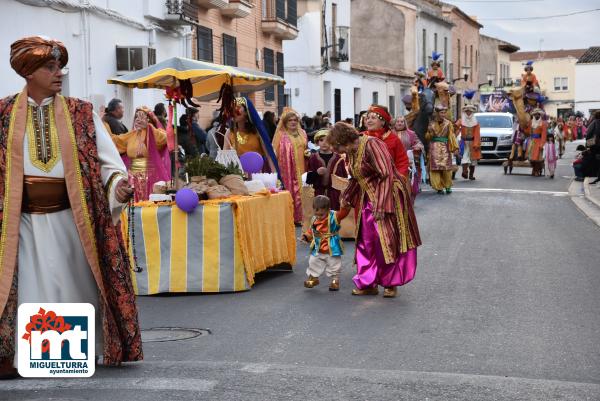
(145, 153)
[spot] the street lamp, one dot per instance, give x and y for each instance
(465, 71)
(490, 80)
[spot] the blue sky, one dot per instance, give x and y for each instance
(573, 32)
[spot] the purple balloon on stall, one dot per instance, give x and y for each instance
(252, 162)
(186, 200)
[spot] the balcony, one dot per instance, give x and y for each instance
(218, 4)
(237, 9)
(180, 12)
(276, 22)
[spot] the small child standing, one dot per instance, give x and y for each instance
(550, 153)
(321, 166)
(326, 247)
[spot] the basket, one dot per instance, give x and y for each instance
(337, 182)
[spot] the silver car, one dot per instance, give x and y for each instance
(496, 133)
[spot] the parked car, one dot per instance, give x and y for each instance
(496, 132)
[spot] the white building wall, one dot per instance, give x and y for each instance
(587, 88)
(311, 86)
(432, 26)
(91, 40)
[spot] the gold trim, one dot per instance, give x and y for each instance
(31, 138)
(86, 214)
(113, 177)
(7, 175)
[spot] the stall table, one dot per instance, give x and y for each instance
(219, 247)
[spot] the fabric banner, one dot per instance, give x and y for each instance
(219, 247)
(180, 252)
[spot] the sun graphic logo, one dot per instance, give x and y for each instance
(56, 340)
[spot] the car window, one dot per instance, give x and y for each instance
(494, 121)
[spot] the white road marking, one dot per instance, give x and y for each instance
(133, 383)
(515, 191)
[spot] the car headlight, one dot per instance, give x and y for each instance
(505, 139)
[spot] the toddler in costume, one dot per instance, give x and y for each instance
(326, 247)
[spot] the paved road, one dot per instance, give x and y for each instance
(505, 306)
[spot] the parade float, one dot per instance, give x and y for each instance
(214, 225)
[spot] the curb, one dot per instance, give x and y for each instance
(580, 195)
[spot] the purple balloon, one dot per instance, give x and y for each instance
(252, 162)
(186, 200)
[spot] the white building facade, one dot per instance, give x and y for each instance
(587, 84)
(92, 31)
(317, 63)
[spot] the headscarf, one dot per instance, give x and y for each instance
(30, 53)
(255, 119)
(381, 112)
(287, 111)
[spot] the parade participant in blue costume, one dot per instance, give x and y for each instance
(435, 74)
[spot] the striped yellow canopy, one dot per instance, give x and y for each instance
(207, 78)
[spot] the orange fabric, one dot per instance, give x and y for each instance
(249, 143)
(476, 144)
(130, 142)
(30, 53)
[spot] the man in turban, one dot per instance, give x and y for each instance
(442, 146)
(62, 188)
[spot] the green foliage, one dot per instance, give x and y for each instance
(205, 166)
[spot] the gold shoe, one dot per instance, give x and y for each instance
(366, 291)
(335, 284)
(390, 292)
(311, 282)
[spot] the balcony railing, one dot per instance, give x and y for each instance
(219, 4)
(277, 22)
(237, 9)
(182, 12)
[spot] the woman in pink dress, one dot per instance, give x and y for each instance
(290, 144)
(411, 142)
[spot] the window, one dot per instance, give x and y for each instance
(269, 66)
(392, 105)
(435, 48)
(229, 50)
(281, 102)
(451, 70)
(280, 9)
(424, 47)
(446, 56)
(292, 13)
(561, 84)
(204, 44)
(375, 97)
(458, 51)
(471, 63)
(135, 58)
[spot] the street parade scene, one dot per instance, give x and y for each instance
(300, 200)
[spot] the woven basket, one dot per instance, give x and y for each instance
(339, 183)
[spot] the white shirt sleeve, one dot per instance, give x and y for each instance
(112, 167)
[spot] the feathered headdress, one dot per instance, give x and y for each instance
(469, 103)
(421, 71)
(469, 94)
(435, 57)
(529, 64)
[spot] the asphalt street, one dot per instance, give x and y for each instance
(505, 306)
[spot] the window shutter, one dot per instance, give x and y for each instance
(292, 13)
(280, 9)
(269, 67)
(280, 88)
(204, 44)
(229, 50)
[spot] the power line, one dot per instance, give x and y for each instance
(542, 17)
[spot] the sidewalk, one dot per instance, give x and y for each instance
(592, 192)
(587, 198)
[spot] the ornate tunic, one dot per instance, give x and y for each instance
(79, 246)
(375, 179)
(442, 143)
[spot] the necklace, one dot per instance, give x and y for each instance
(242, 137)
(131, 235)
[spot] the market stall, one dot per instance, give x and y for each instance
(218, 247)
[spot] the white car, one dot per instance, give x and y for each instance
(496, 133)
